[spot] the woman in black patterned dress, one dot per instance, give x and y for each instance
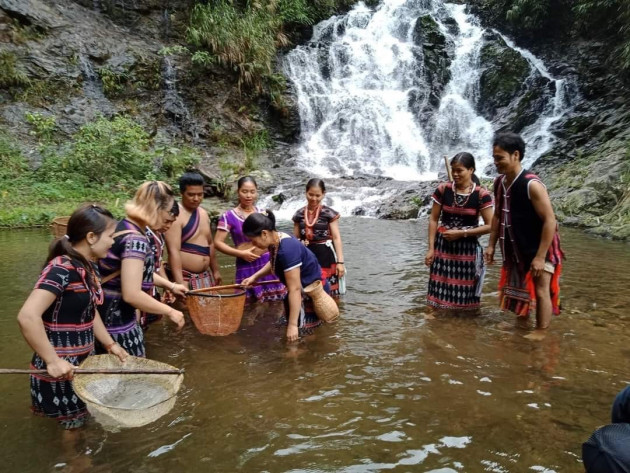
(59, 320)
(317, 226)
(455, 256)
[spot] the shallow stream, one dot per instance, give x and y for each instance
(382, 390)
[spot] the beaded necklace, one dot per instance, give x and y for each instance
(308, 225)
(465, 201)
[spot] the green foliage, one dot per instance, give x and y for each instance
(253, 145)
(11, 75)
(113, 81)
(611, 17)
(105, 151)
(529, 14)
(12, 164)
(173, 162)
(104, 161)
(244, 36)
(43, 126)
(175, 50)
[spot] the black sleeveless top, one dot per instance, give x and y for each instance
(519, 221)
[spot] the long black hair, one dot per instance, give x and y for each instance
(468, 161)
(87, 218)
(254, 225)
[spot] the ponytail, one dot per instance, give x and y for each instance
(86, 219)
(257, 222)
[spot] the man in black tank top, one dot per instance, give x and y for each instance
(525, 225)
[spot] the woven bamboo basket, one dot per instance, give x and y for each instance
(59, 226)
(126, 400)
(216, 312)
(324, 306)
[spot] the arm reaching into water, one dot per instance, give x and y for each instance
(132, 293)
(294, 288)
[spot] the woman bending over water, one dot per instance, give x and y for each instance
(293, 264)
(455, 256)
(59, 320)
(317, 226)
(249, 259)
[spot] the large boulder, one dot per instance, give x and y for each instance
(433, 54)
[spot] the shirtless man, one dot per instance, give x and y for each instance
(191, 256)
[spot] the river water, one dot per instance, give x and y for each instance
(382, 390)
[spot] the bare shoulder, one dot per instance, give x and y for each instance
(537, 189)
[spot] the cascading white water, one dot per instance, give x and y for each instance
(355, 79)
(537, 136)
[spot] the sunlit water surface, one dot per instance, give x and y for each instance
(382, 390)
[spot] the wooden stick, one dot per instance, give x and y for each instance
(198, 292)
(448, 169)
(98, 371)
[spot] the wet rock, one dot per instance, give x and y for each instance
(33, 12)
(504, 72)
(433, 52)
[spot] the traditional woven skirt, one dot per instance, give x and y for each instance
(263, 292)
(56, 398)
(198, 280)
(457, 274)
(327, 259)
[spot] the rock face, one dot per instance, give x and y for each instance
(587, 170)
(82, 62)
(435, 56)
(512, 94)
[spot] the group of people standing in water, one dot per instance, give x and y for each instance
(97, 292)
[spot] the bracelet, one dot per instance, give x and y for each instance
(110, 346)
(340, 262)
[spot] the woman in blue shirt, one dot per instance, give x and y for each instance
(294, 264)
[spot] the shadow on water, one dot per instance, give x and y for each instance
(384, 389)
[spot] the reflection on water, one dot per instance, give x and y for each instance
(381, 390)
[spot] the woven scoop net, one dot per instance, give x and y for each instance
(126, 400)
(216, 312)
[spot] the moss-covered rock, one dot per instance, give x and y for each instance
(504, 73)
(435, 56)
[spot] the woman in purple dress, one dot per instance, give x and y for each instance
(249, 259)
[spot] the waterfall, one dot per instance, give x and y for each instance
(364, 100)
(174, 105)
(92, 86)
(538, 136)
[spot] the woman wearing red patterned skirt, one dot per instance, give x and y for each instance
(455, 256)
(317, 226)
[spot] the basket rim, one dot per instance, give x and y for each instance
(237, 293)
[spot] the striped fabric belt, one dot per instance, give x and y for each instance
(122, 328)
